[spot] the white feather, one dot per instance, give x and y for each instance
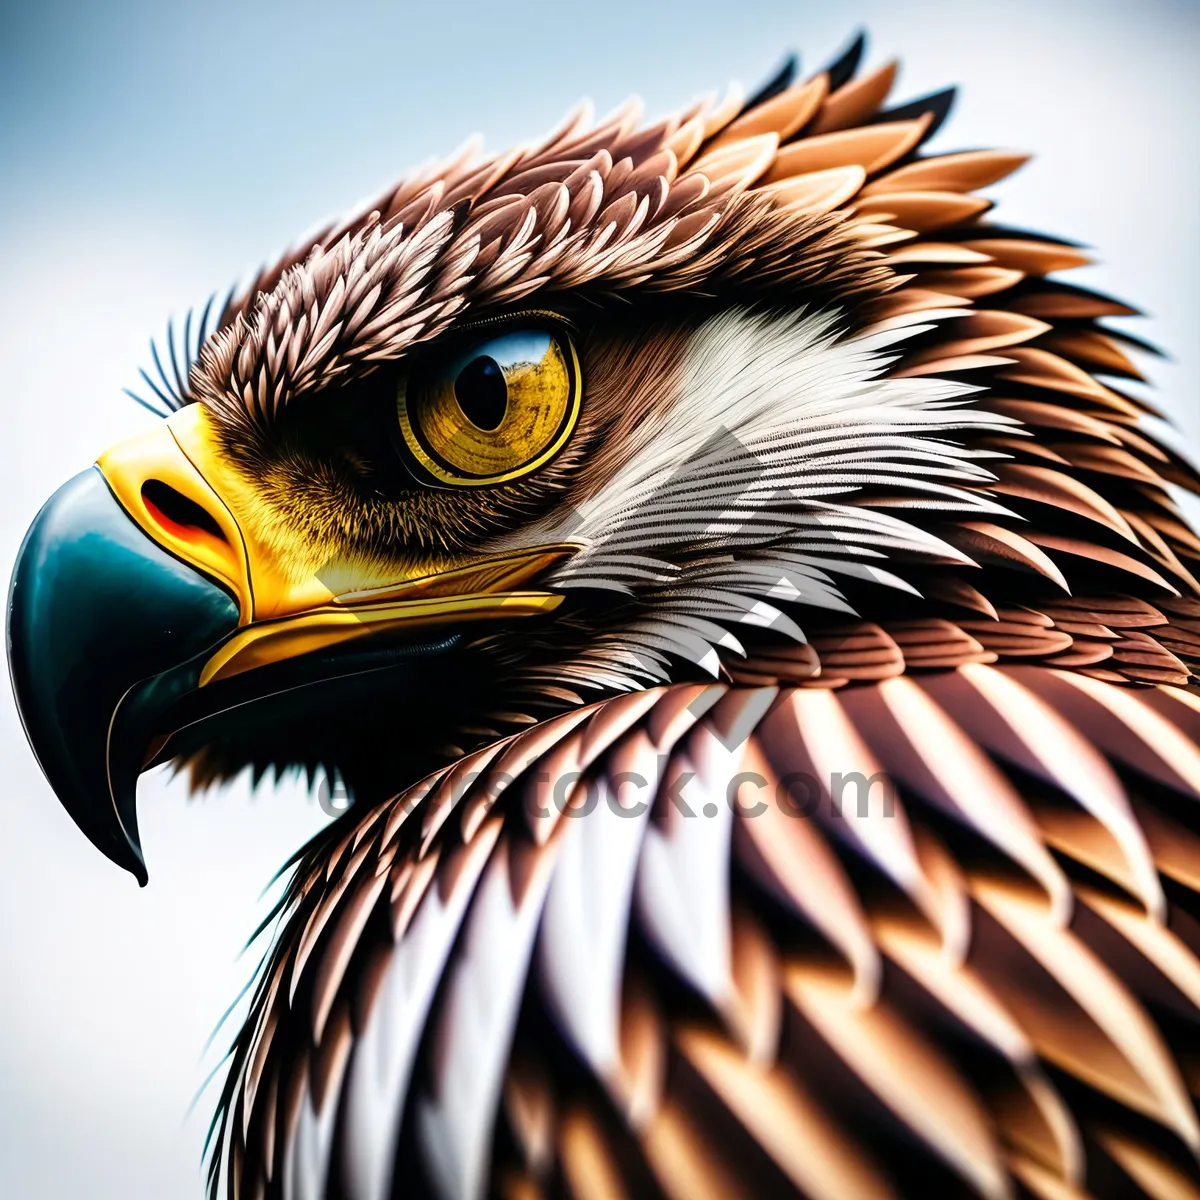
(741, 489)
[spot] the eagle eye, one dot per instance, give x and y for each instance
(492, 409)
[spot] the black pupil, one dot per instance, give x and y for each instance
(482, 393)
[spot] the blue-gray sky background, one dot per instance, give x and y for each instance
(154, 152)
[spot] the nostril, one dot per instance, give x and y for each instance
(172, 508)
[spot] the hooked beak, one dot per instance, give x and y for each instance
(141, 591)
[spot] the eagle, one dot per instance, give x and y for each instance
(741, 589)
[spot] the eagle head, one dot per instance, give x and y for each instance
(752, 406)
(531, 428)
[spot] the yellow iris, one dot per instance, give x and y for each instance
(494, 411)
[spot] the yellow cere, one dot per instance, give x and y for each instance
(494, 411)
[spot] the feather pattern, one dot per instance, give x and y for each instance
(681, 824)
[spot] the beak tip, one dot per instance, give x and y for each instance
(124, 840)
(135, 863)
(132, 862)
